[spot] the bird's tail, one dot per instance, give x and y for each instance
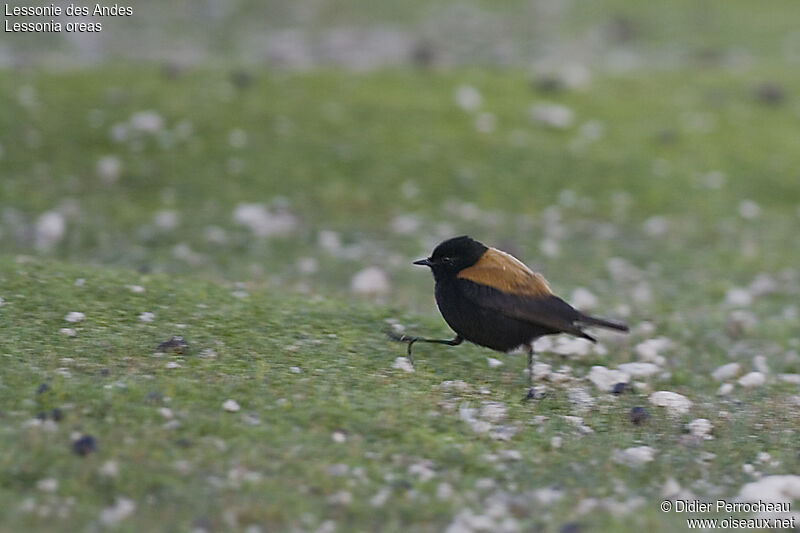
(595, 321)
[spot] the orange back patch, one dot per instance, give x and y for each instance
(506, 273)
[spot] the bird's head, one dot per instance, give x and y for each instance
(452, 256)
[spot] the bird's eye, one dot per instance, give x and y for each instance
(447, 260)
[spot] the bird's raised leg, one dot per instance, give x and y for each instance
(531, 359)
(411, 340)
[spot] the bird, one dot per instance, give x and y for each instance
(490, 298)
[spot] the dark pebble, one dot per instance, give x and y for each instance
(570, 527)
(241, 79)
(534, 394)
(154, 397)
(548, 84)
(105, 372)
(41, 389)
(620, 388)
(41, 415)
(84, 445)
(770, 94)
(423, 54)
(176, 344)
(56, 414)
(183, 442)
(639, 415)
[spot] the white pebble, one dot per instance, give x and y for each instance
(700, 427)
(122, 509)
(136, 289)
(605, 379)
(108, 169)
(726, 372)
(402, 363)
(47, 485)
(146, 121)
(555, 442)
(760, 364)
(342, 497)
(265, 222)
(405, 224)
(50, 229)
(468, 98)
(738, 297)
(651, 349)
(639, 370)
(583, 298)
(634, 456)
(231, 406)
(339, 437)
(553, 115)
(485, 122)
(510, 455)
(330, 241)
(166, 219)
(370, 281)
(748, 209)
(675, 403)
(74, 316)
(753, 379)
(656, 226)
(541, 371)
(725, 389)
(147, 316)
(494, 363)
(172, 365)
(444, 491)
(780, 488)
(109, 469)
(68, 332)
(295, 370)
(380, 497)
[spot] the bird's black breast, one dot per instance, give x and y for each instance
(479, 324)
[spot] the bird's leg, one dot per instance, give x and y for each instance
(531, 359)
(411, 340)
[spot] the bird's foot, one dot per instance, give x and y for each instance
(534, 393)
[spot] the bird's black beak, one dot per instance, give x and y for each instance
(423, 262)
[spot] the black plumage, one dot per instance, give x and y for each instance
(490, 298)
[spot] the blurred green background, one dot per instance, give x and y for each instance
(265, 172)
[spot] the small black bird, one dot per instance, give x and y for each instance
(492, 299)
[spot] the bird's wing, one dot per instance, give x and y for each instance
(506, 273)
(544, 309)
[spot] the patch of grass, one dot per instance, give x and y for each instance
(275, 463)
